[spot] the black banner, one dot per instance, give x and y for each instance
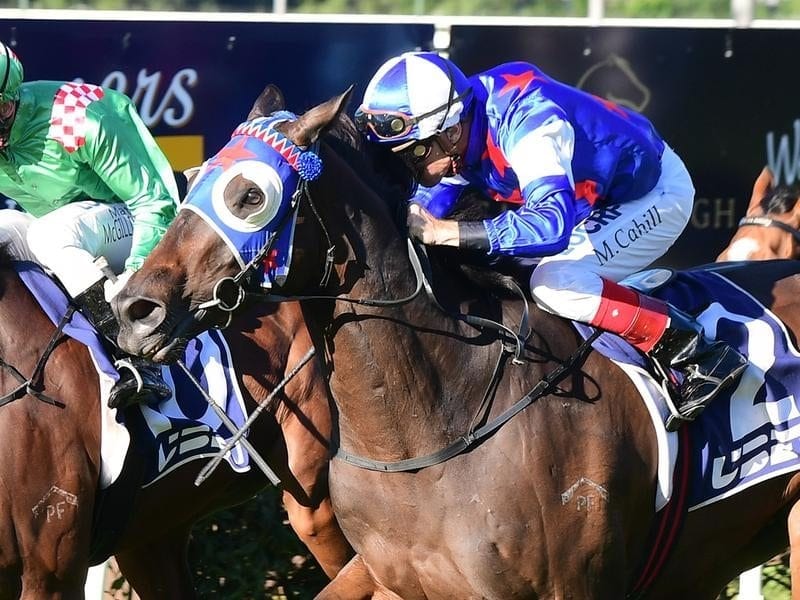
(718, 96)
(706, 90)
(194, 82)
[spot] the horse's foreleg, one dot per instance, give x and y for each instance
(794, 547)
(318, 529)
(355, 582)
(160, 569)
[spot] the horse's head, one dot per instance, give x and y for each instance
(235, 230)
(769, 229)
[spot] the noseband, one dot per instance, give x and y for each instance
(769, 222)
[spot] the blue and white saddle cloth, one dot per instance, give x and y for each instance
(749, 433)
(179, 429)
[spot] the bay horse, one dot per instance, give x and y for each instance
(770, 228)
(472, 460)
(49, 473)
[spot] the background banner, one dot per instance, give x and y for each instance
(194, 82)
(706, 90)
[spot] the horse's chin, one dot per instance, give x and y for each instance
(169, 348)
(171, 352)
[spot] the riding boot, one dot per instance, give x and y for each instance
(695, 369)
(706, 367)
(139, 380)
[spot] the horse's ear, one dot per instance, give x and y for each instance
(270, 101)
(310, 125)
(763, 186)
(190, 175)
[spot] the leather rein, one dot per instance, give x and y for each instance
(31, 385)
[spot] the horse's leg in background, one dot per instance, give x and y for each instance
(304, 416)
(306, 496)
(317, 528)
(159, 570)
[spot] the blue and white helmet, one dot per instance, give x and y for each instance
(412, 97)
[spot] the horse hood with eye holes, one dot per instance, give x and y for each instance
(265, 157)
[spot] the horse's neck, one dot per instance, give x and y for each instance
(407, 379)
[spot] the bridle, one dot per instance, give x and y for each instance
(765, 221)
(240, 287)
(513, 344)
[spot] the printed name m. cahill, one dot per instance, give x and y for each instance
(624, 237)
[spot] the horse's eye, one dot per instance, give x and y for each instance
(253, 196)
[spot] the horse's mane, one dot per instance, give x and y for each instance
(391, 179)
(780, 200)
(380, 168)
(6, 257)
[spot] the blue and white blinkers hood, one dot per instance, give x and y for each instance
(273, 163)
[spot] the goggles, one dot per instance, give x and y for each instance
(388, 125)
(417, 152)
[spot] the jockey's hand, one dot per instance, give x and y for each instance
(112, 288)
(426, 228)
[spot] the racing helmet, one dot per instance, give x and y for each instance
(11, 74)
(412, 97)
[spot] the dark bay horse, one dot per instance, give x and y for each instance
(771, 226)
(556, 502)
(51, 463)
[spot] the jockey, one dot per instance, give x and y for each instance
(93, 183)
(598, 194)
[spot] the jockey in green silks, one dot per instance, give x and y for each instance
(93, 183)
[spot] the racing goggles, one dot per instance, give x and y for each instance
(388, 125)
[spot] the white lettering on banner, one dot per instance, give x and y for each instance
(784, 161)
(714, 213)
(146, 94)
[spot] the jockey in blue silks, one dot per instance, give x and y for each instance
(598, 195)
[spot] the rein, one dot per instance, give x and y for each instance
(769, 222)
(226, 420)
(29, 385)
(211, 466)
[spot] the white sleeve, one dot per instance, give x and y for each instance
(545, 151)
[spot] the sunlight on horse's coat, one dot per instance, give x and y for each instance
(742, 249)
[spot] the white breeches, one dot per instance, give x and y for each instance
(613, 242)
(67, 240)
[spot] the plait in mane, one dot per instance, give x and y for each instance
(6, 256)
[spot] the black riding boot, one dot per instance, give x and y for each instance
(139, 380)
(707, 366)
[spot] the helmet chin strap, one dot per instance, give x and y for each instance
(448, 146)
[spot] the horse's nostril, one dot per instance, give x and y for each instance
(142, 309)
